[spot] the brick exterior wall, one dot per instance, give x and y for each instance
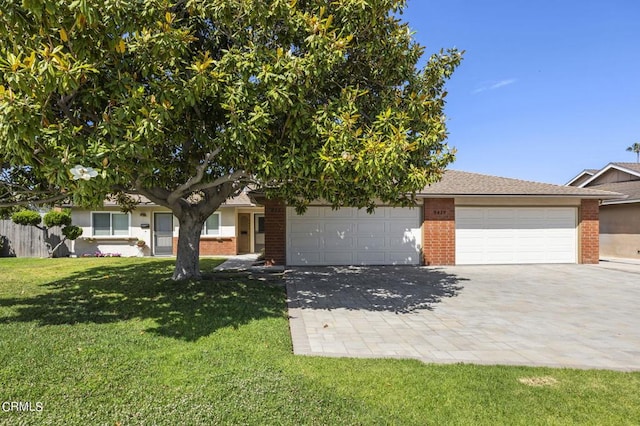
(439, 231)
(213, 246)
(589, 231)
(275, 232)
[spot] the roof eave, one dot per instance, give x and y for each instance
(626, 201)
(476, 195)
(581, 174)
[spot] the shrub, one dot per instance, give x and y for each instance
(26, 217)
(72, 232)
(55, 218)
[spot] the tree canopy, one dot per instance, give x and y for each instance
(188, 102)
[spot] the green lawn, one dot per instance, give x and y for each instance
(112, 341)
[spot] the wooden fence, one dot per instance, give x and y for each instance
(29, 241)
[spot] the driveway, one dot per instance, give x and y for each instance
(581, 316)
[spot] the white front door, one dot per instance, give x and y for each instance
(348, 236)
(512, 235)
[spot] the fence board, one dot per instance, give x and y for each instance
(29, 241)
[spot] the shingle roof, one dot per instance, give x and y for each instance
(630, 188)
(631, 166)
(459, 183)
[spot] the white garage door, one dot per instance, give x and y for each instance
(502, 235)
(348, 236)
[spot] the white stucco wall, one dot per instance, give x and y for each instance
(126, 245)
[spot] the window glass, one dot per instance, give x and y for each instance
(101, 224)
(120, 223)
(212, 225)
(260, 224)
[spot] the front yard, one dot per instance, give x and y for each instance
(114, 341)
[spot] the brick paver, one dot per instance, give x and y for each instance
(582, 316)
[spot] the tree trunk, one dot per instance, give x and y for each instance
(188, 255)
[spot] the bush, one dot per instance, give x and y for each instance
(55, 218)
(26, 217)
(72, 232)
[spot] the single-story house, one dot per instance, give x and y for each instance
(466, 218)
(237, 227)
(619, 217)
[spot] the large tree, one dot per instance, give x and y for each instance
(188, 102)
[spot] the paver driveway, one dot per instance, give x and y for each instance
(583, 316)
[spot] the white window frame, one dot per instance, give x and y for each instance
(205, 230)
(93, 229)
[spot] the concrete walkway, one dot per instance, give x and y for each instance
(581, 316)
(240, 262)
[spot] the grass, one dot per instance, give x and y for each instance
(114, 342)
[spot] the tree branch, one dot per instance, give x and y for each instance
(194, 180)
(37, 201)
(235, 176)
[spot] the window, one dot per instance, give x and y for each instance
(110, 224)
(260, 224)
(212, 225)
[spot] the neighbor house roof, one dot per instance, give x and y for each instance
(583, 174)
(465, 184)
(630, 188)
(630, 168)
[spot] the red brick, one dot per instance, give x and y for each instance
(275, 221)
(589, 229)
(211, 246)
(439, 231)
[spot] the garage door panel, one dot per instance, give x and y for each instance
(370, 258)
(310, 228)
(336, 214)
(495, 235)
(306, 258)
(337, 258)
(336, 242)
(369, 228)
(306, 242)
(371, 243)
(351, 236)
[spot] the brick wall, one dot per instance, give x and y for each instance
(275, 234)
(439, 231)
(213, 246)
(589, 231)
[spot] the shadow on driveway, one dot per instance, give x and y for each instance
(400, 289)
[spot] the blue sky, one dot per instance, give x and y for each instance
(546, 88)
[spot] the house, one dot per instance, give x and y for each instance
(237, 227)
(619, 217)
(466, 218)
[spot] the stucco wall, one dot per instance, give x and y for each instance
(620, 231)
(126, 245)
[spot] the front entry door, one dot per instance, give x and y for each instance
(244, 228)
(163, 233)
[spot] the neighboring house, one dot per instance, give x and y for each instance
(619, 217)
(237, 227)
(466, 218)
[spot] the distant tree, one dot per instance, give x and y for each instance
(635, 148)
(50, 219)
(189, 102)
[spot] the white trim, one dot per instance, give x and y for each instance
(606, 169)
(582, 173)
(204, 226)
(111, 213)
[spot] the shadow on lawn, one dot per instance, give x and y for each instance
(399, 289)
(182, 310)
